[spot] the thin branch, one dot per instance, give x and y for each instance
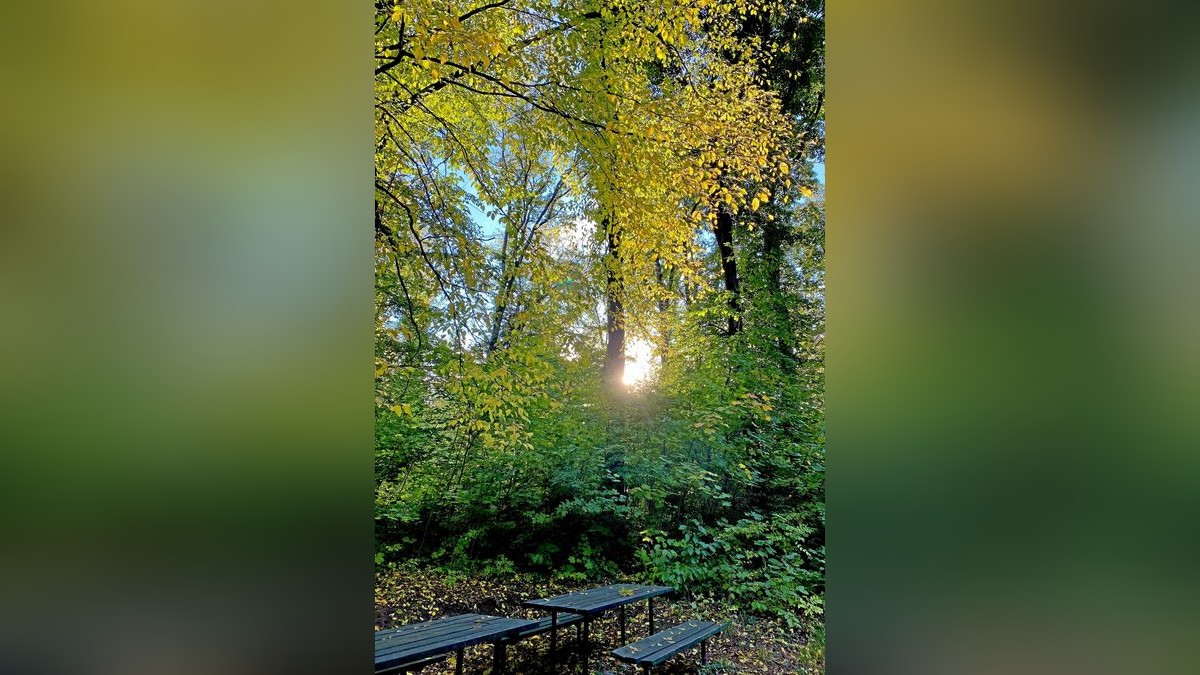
(482, 8)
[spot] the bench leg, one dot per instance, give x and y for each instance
(704, 653)
(498, 658)
(652, 616)
(553, 636)
(458, 659)
(587, 643)
(622, 624)
(646, 669)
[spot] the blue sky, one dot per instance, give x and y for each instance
(492, 228)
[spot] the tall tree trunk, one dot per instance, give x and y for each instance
(666, 282)
(501, 304)
(614, 357)
(773, 258)
(724, 232)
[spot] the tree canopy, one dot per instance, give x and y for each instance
(555, 182)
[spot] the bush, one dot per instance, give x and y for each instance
(769, 566)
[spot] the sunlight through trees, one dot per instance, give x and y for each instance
(600, 292)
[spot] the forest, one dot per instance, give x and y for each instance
(599, 309)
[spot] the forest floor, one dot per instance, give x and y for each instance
(750, 645)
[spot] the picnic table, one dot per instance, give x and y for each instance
(593, 602)
(413, 644)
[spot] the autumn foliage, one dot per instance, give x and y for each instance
(558, 185)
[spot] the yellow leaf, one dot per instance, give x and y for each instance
(783, 167)
(658, 50)
(754, 204)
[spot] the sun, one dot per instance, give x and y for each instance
(639, 355)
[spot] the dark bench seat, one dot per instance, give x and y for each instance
(412, 646)
(414, 666)
(543, 626)
(661, 646)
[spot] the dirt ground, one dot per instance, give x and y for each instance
(750, 645)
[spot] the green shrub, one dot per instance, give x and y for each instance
(767, 565)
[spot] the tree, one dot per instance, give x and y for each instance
(552, 180)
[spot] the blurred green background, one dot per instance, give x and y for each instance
(186, 292)
(1012, 289)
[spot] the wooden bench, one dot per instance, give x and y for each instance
(414, 666)
(544, 625)
(594, 602)
(661, 646)
(413, 646)
(532, 628)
